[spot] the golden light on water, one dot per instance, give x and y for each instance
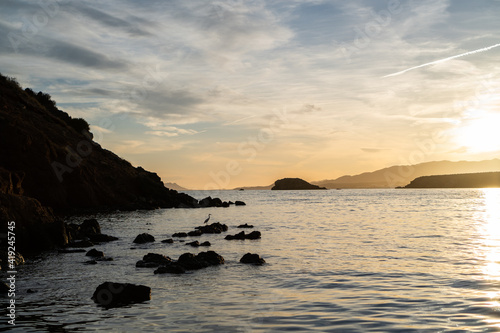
(491, 218)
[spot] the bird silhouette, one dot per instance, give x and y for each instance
(208, 218)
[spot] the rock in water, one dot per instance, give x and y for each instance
(95, 253)
(144, 238)
(153, 260)
(252, 258)
(246, 225)
(201, 260)
(242, 235)
(110, 294)
(90, 227)
(239, 203)
(253, 235)
(214, 228)
(172, 268)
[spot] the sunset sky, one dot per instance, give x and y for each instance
(237, 93)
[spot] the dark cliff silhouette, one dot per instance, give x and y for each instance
(294, 184)
(49, 166)
(468, 180)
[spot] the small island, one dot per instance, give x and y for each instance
(295, 184)
(466, 180)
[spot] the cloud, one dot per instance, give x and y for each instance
(374, 150)
(484, 49)
(105, 19)
(15, 42)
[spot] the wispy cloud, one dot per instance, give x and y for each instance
(484, 49)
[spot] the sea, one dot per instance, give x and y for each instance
(373, 260)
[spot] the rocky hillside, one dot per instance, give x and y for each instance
(49, 166)
(294, 184)
(468, 180)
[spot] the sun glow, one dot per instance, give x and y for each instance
(480, 134)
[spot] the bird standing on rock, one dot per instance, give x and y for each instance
(208, 218)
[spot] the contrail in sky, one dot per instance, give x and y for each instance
(445, 59)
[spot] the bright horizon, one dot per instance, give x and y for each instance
(234, 93)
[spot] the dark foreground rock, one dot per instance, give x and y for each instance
(239, 203)
(4, 288)
(209, 202)
(18, 259)
(111, 294)
(144, 238)
(172, 268)
(72, 251)
(189, 261)
(95, 253)
(252, 258)
(242, 235)
(197, 244)
(153, 260)
(201, 260)
(214, 228)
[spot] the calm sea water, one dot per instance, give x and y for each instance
(337, 261)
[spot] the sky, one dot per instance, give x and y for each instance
(223, 94)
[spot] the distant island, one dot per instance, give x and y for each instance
(400, 175)
(467, 180)
(294, 184)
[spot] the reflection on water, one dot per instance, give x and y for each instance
(489, 217)
(337, 261)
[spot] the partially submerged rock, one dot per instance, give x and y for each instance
(180, 234)
(246, 225)
(172, 268)
(88, 231)
(95, 253)
(209, 202)
(252, 258)
(242, 235)
(169, 241)
(144, 238)
(214, 228)
(153, 260)
(194, 233)
(72, 251)
(201, 260)
(110, 294)
(189, 261)
(239, 203)
(81, 243)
